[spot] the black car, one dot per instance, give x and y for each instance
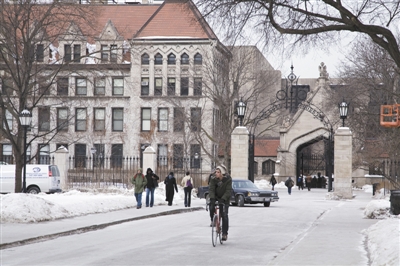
(244, 191)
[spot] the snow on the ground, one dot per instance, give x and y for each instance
(26, 208)
(384, 242)
(382, 238)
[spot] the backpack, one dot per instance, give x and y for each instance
(189, 183)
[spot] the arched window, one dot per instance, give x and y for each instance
(145, 59)
(184, 59)
(268, 167)
(198, 59)
(158, 59)
(171, 59)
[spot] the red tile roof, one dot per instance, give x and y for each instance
(177, 18)
(174, 18)
(127, 19)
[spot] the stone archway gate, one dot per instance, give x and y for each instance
(302, 128)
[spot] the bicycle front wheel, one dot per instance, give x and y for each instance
(214, 228)
(220, 231)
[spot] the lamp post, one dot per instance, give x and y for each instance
(25, 118)
(343, 109)
(241, 109)
(195, 164)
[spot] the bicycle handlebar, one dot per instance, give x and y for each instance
(216, 204)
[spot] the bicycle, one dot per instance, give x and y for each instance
(216, 229)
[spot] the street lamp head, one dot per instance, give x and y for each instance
(241, 110)
(343, 109)
(25, 118)
(196, 156)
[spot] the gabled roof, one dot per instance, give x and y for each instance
(127, 19)
(176, 19)
(172, 19)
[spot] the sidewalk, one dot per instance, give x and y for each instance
(16, 234)
(334, 238)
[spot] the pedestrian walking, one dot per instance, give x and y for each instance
(289, 183)
(300, 182)
(152, 183)
(139, 181)
(170, 185)
(187, 184)
(272, 181)
(308, 182)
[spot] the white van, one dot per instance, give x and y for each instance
(39, 178)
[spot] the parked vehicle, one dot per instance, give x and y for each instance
(39, 178)
(245, 191)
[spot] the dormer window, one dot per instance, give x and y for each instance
(145, 59)
(171, 59)
(158, 59)
(75, 56)
(198, 59)
(184, 59)
(113, 53)
(104, 53)
(39, 53)
(107, 51)
(67, 53)
(77, 53)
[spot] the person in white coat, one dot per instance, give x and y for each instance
(187, 184)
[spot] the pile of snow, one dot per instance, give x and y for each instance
(384, 242)
(28, 208)
(377, 209)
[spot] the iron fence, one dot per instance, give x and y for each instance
(179, 166)
(102, 171)
(118, 170)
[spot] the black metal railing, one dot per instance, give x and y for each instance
(118, 170)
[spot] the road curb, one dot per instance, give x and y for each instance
(93, 228)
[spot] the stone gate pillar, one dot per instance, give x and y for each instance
(343, 163)
(149, 159)
(61, 160)
(240, 153)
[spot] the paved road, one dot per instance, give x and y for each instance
(301, 229)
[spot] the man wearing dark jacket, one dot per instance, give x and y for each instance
(220, 189)
(152, 183)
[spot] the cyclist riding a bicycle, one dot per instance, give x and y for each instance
(220, 189)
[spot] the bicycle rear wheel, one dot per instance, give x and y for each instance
(214, 228)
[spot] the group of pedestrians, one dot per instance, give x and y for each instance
(302, 181)
(149, 182)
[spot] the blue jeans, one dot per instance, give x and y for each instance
(150, 193)
(138, 197)
(188, 192)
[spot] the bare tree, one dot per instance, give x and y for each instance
(242, 75)
(28, 30)
(309, 22)
(371, 79)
